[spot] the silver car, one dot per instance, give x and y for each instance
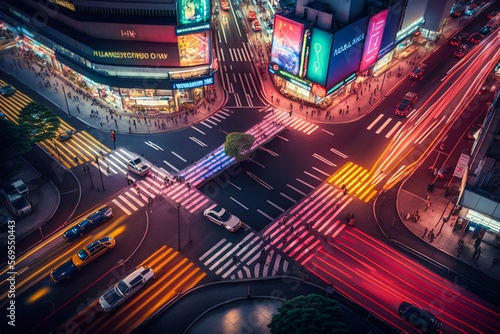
(222, 217)
(125, 288)
(138, 167)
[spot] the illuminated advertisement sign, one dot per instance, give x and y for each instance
(373, 40)
(193, 12)
(194, 49)
(391, 28)
(346, 52)
(319, 54)
(287, 44)
(193, 83)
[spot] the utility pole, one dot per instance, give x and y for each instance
(66, 99)
(100, 173)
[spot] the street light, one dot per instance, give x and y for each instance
(55, 146)
(86, 169)
(66, 99)
(100, 173)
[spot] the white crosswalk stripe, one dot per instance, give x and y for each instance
(239, 54)
(250, 258)
(282, 117)
(379, 128)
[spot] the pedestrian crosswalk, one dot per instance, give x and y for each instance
(295, 236)
(385, 125)
(356, 181)
(275, 115)
(80, 148)
(214, 120)
(250, 258)
(242, 54)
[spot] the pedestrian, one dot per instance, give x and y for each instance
(475, 253)
(479, 250)
(290, 113)
(77, 107)
(425, 232)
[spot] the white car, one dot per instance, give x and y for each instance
(138, 167)
(222, 217)
(21, 187)
(125, 288)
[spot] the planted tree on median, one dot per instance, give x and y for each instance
(38, 122)
(309, 314)
(238, 145)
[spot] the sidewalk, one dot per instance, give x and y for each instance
(97, 114)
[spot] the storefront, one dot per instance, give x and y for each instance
(135, 99)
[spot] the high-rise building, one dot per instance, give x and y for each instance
(153, 56)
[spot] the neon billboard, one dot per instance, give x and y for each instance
(287, 44)
(194, 49)
(319, 56)
(346, 52)
(193, 11)
(373, 40)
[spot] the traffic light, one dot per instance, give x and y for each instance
(112, 133)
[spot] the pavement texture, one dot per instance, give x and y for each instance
(209, 305)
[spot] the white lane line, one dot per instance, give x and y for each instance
(340, 154)
(199, 142)
(225, 112)
(283, 138)
(313, 176)
(297, 190)
(134, 198)
(153, 145)
(118, 204)
(257, 163)
(326, 161)
(394, 128)
(265, 215)
(320, 171)
(314, 128)
(171, 166)
(239, 203)
(305, 183)
(288, 198)
(195, 128)
(208, 126)
(260, 181)
(211, 249)
(178, 156)
(339, 230)
(331, 134)
(214, 117)
(375, 122)
(276, 206)
(234, 185)
(382, 127)
(210, 121)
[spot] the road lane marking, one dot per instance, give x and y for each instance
(280, 137)
(297, 190)
(260, 181)
(199, 142)
(265, 215)
(239, 203)
(153, 145)
(257, 163)
(211, 249)
(382, 127)
(394, 128)
(171, 166)
(313, 176)
(340, 154)
(331, 134)
(288, 198)
(234, 185)
(374, 122)
(320, 171)
(326, 161)
(276, 206)
(118, 204)
(178, 156)
(195, 128)
(305, 183)
(208, 126)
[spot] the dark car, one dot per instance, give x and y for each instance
(63, 136)
(455, 41)
(64, 271)
(456, 13)
(17, 204)
(492, 15)
(88, 223)
(460, 51)
(473, 131)
(82, 258)
(485, 30)
(418, 72)
(423, 321)
(476, 38)
(404, 106)
(7, 90)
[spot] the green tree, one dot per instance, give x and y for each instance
(12, 142)
(238, 145)
(38, 122)
(309, 314)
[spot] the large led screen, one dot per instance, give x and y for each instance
(287, 44)
(391, 28)
(193, 11)
(319, 55)
(194, 49)
(346, 52)
(373, 40)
